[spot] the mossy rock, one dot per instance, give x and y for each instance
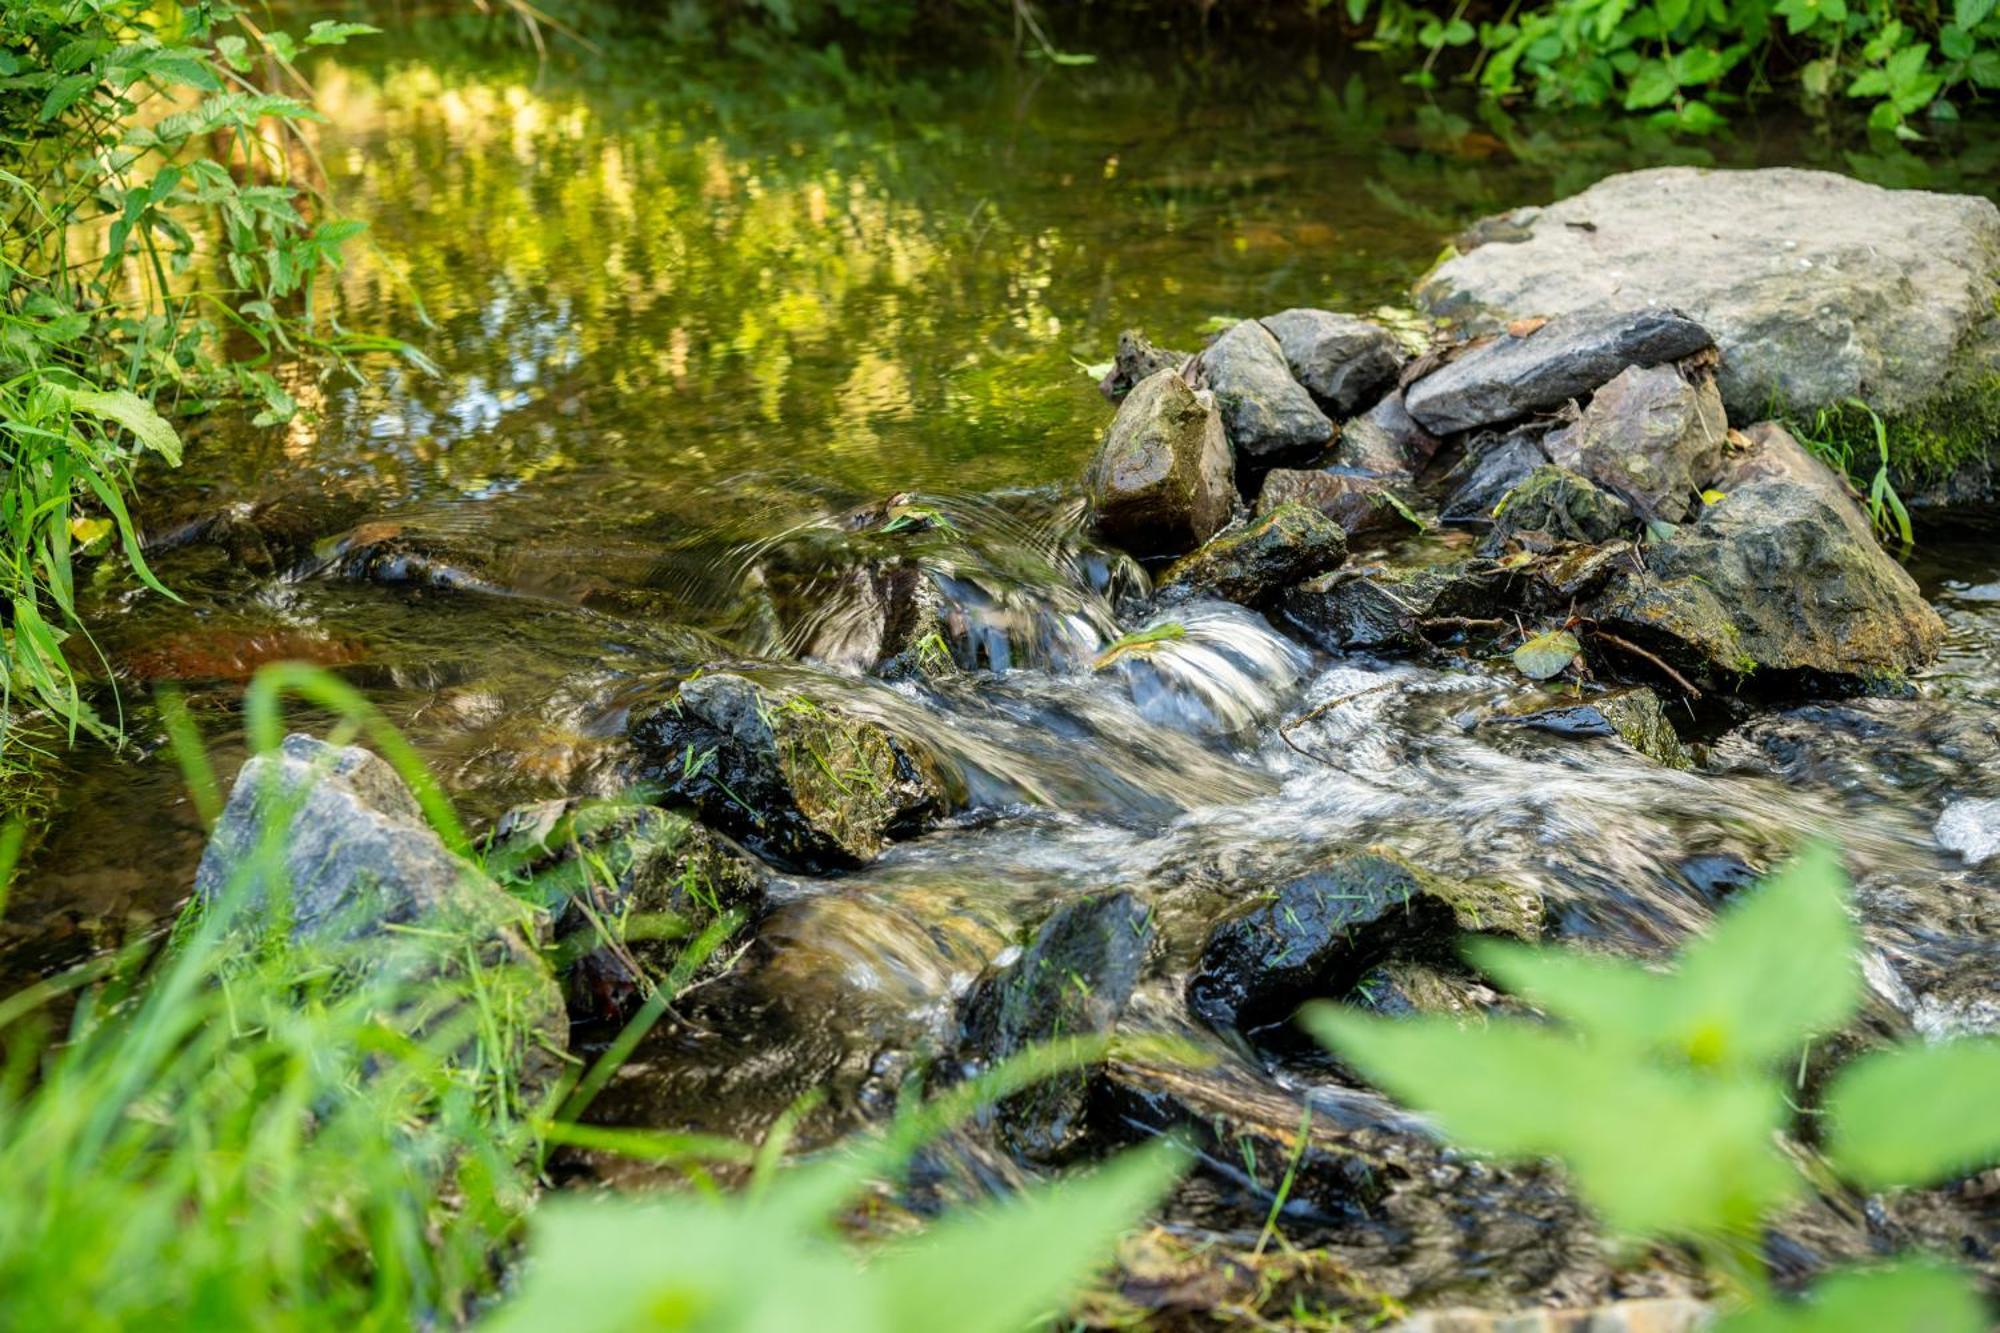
(1254, 563)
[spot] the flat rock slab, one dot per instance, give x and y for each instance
(1545, 366)
(1815, 286)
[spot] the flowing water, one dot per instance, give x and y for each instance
(690, 321)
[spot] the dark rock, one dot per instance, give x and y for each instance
(1515, 376)
(801, 783)
(1137, 359)
(388, 553)
(1650, 436)
(1267, 416)
(1560, 504)
(1163, 481)
(1379, 607)
(1558, 579)
(1344, 362)
(1679, 620)
(1403, 989)
(874, 616)
(1492, 466)
(1799, 574)
(1817, 287)
(1073, 980)
(1319, 933)
(1361, 504)
(1253, 564)
(1386, 441)
(1631, 715)
(628, 886)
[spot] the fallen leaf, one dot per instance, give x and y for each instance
(1521, 328)
(1547, 655)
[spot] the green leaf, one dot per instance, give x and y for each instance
(1969, 14)
(64, 94)
(1656, 1151)
(1547, 655)
(1779, 967)
(1984, 69)
(328, 33)
(1955, 43)
(235, 52)
(1917, 1115)
(1672, 13)
(1611, 1000)
(1652, 85)
(1911, 1296)
(129, 410)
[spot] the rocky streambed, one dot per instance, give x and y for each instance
(1351, 637)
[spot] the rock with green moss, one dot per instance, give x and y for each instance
(809, 785)
(1562, 505)
(1634, 716)
(1383, 607)
(628, 885)
(1361, 503)
(1163, 480)
(1818, 289)
(1137, 359)
(1252, 564)
(1649, 437)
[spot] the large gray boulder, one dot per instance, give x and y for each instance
(1268, 416)
(1650, 436)
(1163, 480)
(1544, 366)
(1816, 287)
(1345, 362)
(352, 855)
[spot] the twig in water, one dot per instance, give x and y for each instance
(1284, 732)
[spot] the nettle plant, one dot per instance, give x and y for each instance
(162, 243)
(1674, 58)
(1668, 1095)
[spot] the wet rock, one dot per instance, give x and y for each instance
(1361, 504)
(1972, 829)
(1634, 716)
(1817, 287)
(874, 618)
(1650, 436)
(1320, 933)
(389, 553)
(1137, 359)
(356, 859)
(1400, 989)
(1667, 1314)
(1766, 451)
(1345, 363)
(1266, 414)
(1801, 577)
(1163, 480)
(1515, 376)
(1678, 620)
(1493, 465)
(1073, 980)
(1374, 607)
(1385, 441)
(802, 783)
(628, 885)
(1559, 504)
(1568, 573)
(1251, 565)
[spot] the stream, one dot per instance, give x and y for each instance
(686, 317)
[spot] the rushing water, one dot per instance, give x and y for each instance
(688, 320)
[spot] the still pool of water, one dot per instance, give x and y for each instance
(684, 315)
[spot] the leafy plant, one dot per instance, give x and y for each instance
(1662, 1092)
(1830, 441)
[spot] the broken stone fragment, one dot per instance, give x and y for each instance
(1137, 359)
(1344, 362)
(1267, 415)
(1514, 376)
(1162, 482)
(1650, 436)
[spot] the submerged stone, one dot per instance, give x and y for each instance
(1514, 376)
(1384, 607)
(1319, 933)
(1137, 359)
(1651, 436)
(1361, 504)
(1267, 415)
(1073, 980)
(1344, 362)
(1163, 481)
(1251, 565)
(803, 783)
(629, 886)
(1816, 286)
(1634, 716)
